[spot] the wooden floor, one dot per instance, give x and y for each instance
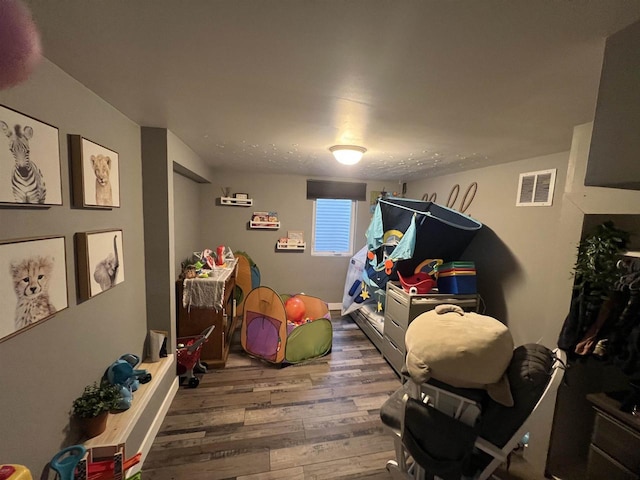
(254, 421)
(251, 420)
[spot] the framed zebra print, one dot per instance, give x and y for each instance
(95, 173)
(33, 283)
(29, 161)
(100, 261)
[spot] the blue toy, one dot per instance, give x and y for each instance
(122, 373)
(65, 461)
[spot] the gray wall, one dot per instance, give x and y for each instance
(285, 272)
(515, 243)
(187, 218)
(43, 369)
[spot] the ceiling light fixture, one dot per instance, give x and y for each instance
(347, 154)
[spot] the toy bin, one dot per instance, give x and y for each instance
(457, 278)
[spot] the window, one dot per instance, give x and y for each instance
(333, 227)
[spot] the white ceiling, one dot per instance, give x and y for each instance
(427, 86)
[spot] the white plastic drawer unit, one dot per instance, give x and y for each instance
(394, 332)
(401, 308)
(404, 307)
(393, 354)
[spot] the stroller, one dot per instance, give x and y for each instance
(188, 356)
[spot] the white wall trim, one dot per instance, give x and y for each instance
(155, 426)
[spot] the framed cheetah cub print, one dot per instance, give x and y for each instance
(29, 161)
(100, 261)
(33, 283)
(95, 173)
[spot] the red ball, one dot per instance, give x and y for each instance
(295, 309)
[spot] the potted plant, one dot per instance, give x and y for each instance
(595, 275)
(93, 406)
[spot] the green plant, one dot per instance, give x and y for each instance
(96, 399)
(598, 254)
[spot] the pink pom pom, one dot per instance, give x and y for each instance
(20, 49)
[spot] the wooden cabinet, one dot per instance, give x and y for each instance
(614, 452)
(194, 320)
(402, 307)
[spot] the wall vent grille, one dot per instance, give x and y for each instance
(535, 189)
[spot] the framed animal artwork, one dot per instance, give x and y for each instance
(29, 161)
(95, 174)
(33, 283)
(100, 261)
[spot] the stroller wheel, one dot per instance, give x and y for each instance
(194, 382)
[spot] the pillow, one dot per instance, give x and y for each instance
(465, 350)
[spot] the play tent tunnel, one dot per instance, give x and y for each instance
(266, 334)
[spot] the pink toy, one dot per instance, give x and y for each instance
(20, 49)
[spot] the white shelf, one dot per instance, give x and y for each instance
(121, 424)
(265, 225)
(238, 202)
(635, 254)
(291, 246)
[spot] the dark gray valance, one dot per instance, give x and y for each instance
(329, 189)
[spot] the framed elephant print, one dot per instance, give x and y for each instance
(100, 262)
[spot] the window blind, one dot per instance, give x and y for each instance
(333, 232)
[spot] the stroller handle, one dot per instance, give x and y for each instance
(203, 338)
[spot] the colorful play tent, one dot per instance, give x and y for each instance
(247, 278)
(403, 233)
(267, 334)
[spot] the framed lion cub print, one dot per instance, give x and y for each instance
(95, 174)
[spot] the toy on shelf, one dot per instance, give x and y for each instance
(264, 220)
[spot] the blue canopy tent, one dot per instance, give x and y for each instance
(403, 233)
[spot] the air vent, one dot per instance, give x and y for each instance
(535, 189)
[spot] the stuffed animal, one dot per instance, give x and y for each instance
(463, 349)
(122, 374)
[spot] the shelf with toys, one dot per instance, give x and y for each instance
(294, 241)
(265, 220)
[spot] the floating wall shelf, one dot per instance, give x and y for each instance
(265, 225)
(238, 202)
(291, 246)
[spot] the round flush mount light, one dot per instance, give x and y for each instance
(347, 154)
